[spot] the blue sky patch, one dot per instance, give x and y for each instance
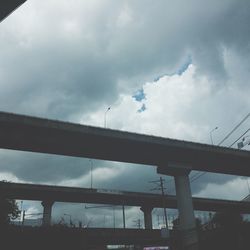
(139, 95)
(179, 71)
(143, 108)
(184, 66)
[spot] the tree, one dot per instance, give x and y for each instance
(227, 219)
(8, 210)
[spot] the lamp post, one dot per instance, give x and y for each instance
(123, 213)
(91, 173)
(211, 138)
(105, 116)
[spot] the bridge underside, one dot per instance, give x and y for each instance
(26, 133)
(8, 6)
(22, 191)
(171, 157)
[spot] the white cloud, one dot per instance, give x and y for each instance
(185, 107)
(71, 59)
(235, 189)
(167, 102)
(10, 177)
(100, 174)
(32, 212)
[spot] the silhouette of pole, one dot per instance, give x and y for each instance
(91, 173)
(123, 216)
(211, 137)
(163, 202)
(105, 116)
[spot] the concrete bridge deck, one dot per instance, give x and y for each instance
(27, 133)
(7, 7)
(102, 196)
(171, 157)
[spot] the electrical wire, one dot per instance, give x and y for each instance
(200, 174)
(235, 128)
(193, 178)
(239, 138)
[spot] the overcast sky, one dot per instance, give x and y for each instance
(167, 68)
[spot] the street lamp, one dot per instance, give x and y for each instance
(211, 138)
(91, 173)
(88, 207)
(105, 116)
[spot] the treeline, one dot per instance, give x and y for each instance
(226, 230)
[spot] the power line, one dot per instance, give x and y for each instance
(239, 138)
(236, 127)
(198, 175)
(194, 178)
(160, 186)
(137, 223)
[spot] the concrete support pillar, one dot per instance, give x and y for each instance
(186, 213)
(147, 216)
(47, 209)
(187, 227)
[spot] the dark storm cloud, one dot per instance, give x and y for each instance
(57, 67)
(66, 59)
(43, 168)
(199, 183)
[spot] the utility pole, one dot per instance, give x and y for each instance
(89, 207)
(137, 223)
(163, 202)
(160, 186)
(123, 216)
(123, 213)
(114, 216)
(23, 218)
(158, 220)
(91, 173)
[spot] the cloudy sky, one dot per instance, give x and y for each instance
(167, 68)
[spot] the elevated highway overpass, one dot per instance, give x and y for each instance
(25, 133)
(171, 157)
(146, 201)
(8, 6)
(37, 192)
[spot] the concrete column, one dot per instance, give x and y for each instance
(47, 209)
(147, 216)
(188, 231)
(186, 213)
